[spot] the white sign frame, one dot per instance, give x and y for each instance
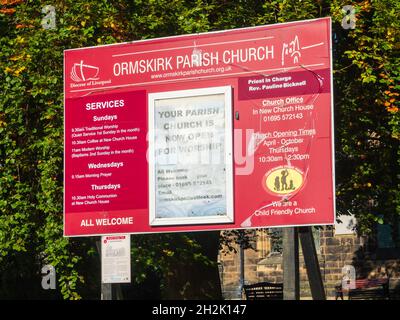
(229, 216)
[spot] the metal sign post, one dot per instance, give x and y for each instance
(242, 262)
(106, 288)
(291, 287)
(311, 262)
(106, 291)
(291, 279)
(115, 265)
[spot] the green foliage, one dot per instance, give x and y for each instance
(366, 102)
(366, 82)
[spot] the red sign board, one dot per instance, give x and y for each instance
(221, 130)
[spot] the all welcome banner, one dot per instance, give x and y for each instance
(221, 130)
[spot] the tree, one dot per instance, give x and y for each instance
(366, 103)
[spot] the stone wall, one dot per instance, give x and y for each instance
(230, 272)
(335, 252)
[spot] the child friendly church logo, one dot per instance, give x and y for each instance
(283, 180)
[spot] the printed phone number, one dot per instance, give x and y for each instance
(283, 117)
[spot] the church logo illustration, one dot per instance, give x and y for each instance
(283, 180)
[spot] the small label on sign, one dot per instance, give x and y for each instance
(116, 259)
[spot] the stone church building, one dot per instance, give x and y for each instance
(375, 256)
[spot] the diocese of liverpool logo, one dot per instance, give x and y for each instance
(83, 72)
